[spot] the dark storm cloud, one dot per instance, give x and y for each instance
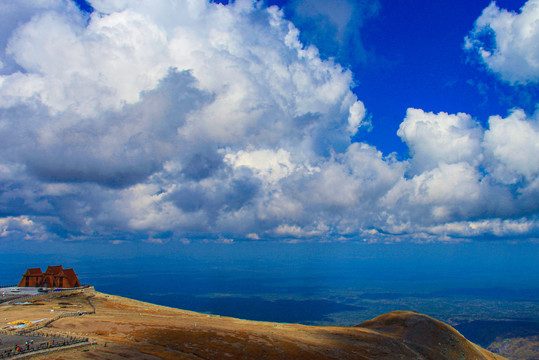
(117, 149)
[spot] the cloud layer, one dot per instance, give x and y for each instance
(193, 119)
(508, 43)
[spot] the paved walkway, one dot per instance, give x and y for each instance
(10, 341)
(40, 341)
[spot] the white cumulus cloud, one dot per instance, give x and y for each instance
(508, 42)
(512, 145)
(200, 119)
(435, 139)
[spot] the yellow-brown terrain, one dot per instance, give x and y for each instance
(123, 328)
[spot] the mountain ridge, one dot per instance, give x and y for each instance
(123, 327)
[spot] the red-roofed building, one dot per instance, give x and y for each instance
(31, 278)
(54, 276)
(50, 276)
(68, 278)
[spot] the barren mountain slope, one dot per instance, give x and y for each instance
(124, 328)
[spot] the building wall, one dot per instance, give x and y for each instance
(30, 281)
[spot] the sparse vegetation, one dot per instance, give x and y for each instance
(124, 328)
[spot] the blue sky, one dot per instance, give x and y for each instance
(411, 55)
(186, 121)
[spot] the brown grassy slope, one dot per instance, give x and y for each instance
(429, 337)
(125, 328)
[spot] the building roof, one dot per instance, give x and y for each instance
(33, 272)
(54, 269)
